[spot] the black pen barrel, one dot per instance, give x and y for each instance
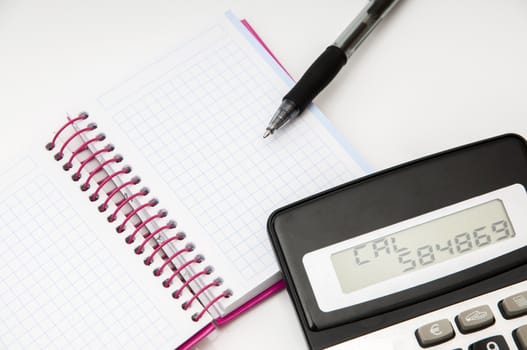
(318, 75)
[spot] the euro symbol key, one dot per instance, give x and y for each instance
(435, 330)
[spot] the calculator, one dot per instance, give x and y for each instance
(428, 254)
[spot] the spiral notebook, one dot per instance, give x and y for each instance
(143, 224)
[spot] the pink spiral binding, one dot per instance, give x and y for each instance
(159, 270)
(81, 116)
(170, 225)
(160, 214)
(115, 159)
(206, 271)
(82, 147)
(150, 259)
(150, 237)
(119, 189)
(121, 204)
(224, 294)
(91, 157)
(129, 215)
(95, 195)
(188, 303)
(198, 259)
(76, 134)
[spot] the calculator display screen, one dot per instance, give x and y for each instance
(422, 246)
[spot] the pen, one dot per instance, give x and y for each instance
(329, 63)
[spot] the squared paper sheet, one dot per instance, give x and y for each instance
(192, 123)
(69, 284)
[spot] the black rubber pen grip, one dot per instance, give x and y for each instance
(319, 74)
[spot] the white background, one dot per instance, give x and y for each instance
(433, 75)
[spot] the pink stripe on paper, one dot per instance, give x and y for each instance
(257, 37)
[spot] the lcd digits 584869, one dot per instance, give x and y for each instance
(422, 246)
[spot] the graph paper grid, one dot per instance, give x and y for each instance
(200, 128)
(60, 286)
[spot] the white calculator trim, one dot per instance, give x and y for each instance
(325, 284)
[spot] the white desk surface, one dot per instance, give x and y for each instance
(433, 75)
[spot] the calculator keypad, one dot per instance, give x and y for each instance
(475, 319)
(504, 326)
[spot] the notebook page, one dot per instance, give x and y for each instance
(68, 284)
(192, 122)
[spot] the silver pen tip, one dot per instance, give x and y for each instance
(267, 133)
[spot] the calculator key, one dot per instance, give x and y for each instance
(434, 333)
(475, 319)
(492, 343)
(520, 336)
(514, 306)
